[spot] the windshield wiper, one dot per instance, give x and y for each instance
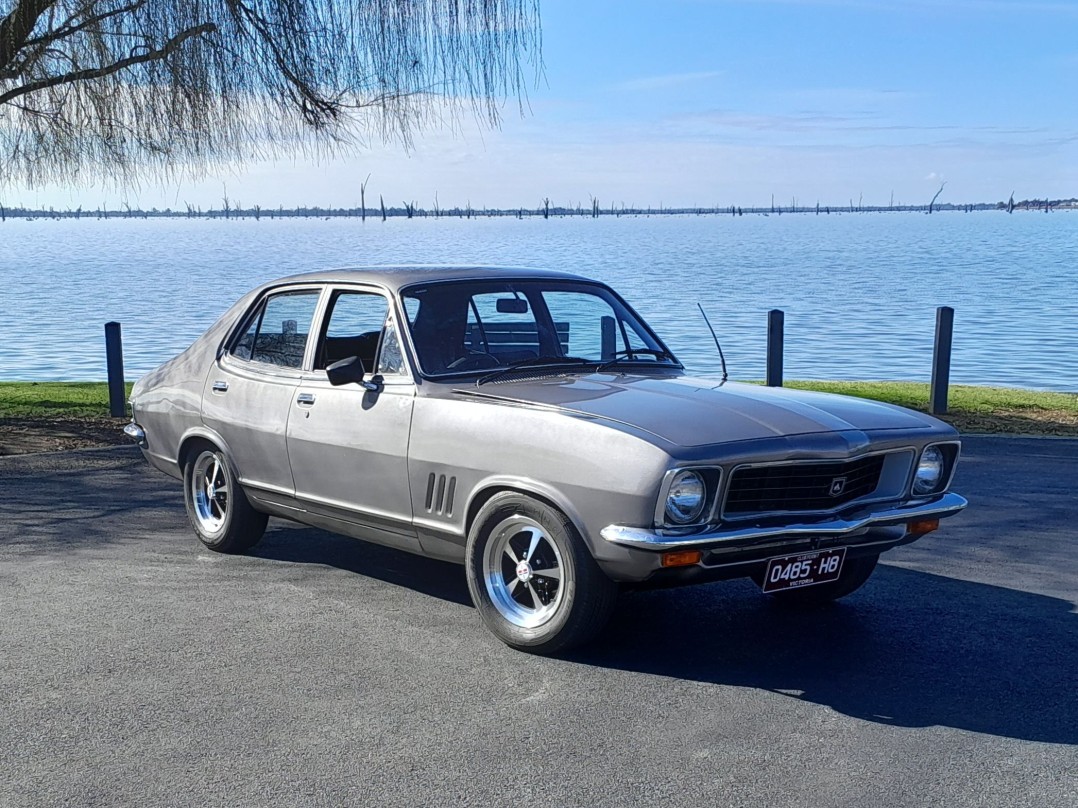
(533, 362)
(630, 353)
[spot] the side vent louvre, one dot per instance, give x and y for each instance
(440, 493)
(430, 492)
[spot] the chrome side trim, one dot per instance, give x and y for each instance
(943, 506)
(136, 433)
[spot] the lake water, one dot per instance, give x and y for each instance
(859, 290)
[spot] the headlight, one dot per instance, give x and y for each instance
(685, 501)
(929, 472)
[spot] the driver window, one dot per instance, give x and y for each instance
(353, 328)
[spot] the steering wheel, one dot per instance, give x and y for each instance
(474, 360)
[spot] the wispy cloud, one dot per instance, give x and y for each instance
(811, 122)
(667, 81)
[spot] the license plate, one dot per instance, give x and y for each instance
(806, 569)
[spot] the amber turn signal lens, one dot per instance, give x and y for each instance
(682, 558)
(922, 526)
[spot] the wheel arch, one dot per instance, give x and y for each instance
(546, 494)
(200, 436)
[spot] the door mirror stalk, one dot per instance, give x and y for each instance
(350, 371)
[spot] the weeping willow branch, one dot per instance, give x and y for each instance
(127, 90)
(101, 72)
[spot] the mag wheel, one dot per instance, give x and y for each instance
(216, 505)
(532, 579)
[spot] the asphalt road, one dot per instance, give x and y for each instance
(136, 668)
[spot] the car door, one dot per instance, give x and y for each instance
(347, 445)
(250, 389)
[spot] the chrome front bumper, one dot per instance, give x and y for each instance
(938, 508)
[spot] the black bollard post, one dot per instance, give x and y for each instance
(114, 357)
(941, 361)
(775, 328)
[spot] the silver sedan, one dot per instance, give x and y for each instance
(531, 426)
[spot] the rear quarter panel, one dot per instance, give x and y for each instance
(167, 401)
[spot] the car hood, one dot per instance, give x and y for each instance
(696, 412)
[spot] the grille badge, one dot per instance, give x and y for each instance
(838, 485)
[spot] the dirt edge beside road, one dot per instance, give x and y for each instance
(31, 435)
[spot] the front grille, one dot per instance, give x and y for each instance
(801, 486)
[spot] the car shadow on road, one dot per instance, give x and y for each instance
(300, 545)
(911, 650)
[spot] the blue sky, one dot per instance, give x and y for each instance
(720, 102)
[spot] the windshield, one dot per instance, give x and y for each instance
(478, 326)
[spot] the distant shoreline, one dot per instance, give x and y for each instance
(543, 212)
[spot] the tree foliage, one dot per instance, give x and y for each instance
(126, 89)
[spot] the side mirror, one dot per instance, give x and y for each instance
(349, 371)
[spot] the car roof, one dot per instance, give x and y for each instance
(398, 276)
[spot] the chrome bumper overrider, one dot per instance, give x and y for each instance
(946, 505)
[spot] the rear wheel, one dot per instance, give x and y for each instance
(532, 579)
(855, 571)
(216, 505)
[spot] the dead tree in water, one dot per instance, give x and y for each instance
(1010, 203)
(363, 199)
(383, 204)
(933, 202)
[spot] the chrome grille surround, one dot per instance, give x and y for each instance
(761, 490)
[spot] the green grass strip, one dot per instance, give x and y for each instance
(55, 399)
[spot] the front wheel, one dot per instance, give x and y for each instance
(218, 509)
(855, 571)
(532, 579)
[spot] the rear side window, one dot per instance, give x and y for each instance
(277, 334)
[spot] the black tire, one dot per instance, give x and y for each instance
(855, 571)
(217, 507)
(561, 602)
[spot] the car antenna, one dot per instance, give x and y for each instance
(722, 358)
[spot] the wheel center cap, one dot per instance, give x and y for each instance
(524, 572)
(211, 490)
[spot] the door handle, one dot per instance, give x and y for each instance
(220, 387)
(305, 398)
